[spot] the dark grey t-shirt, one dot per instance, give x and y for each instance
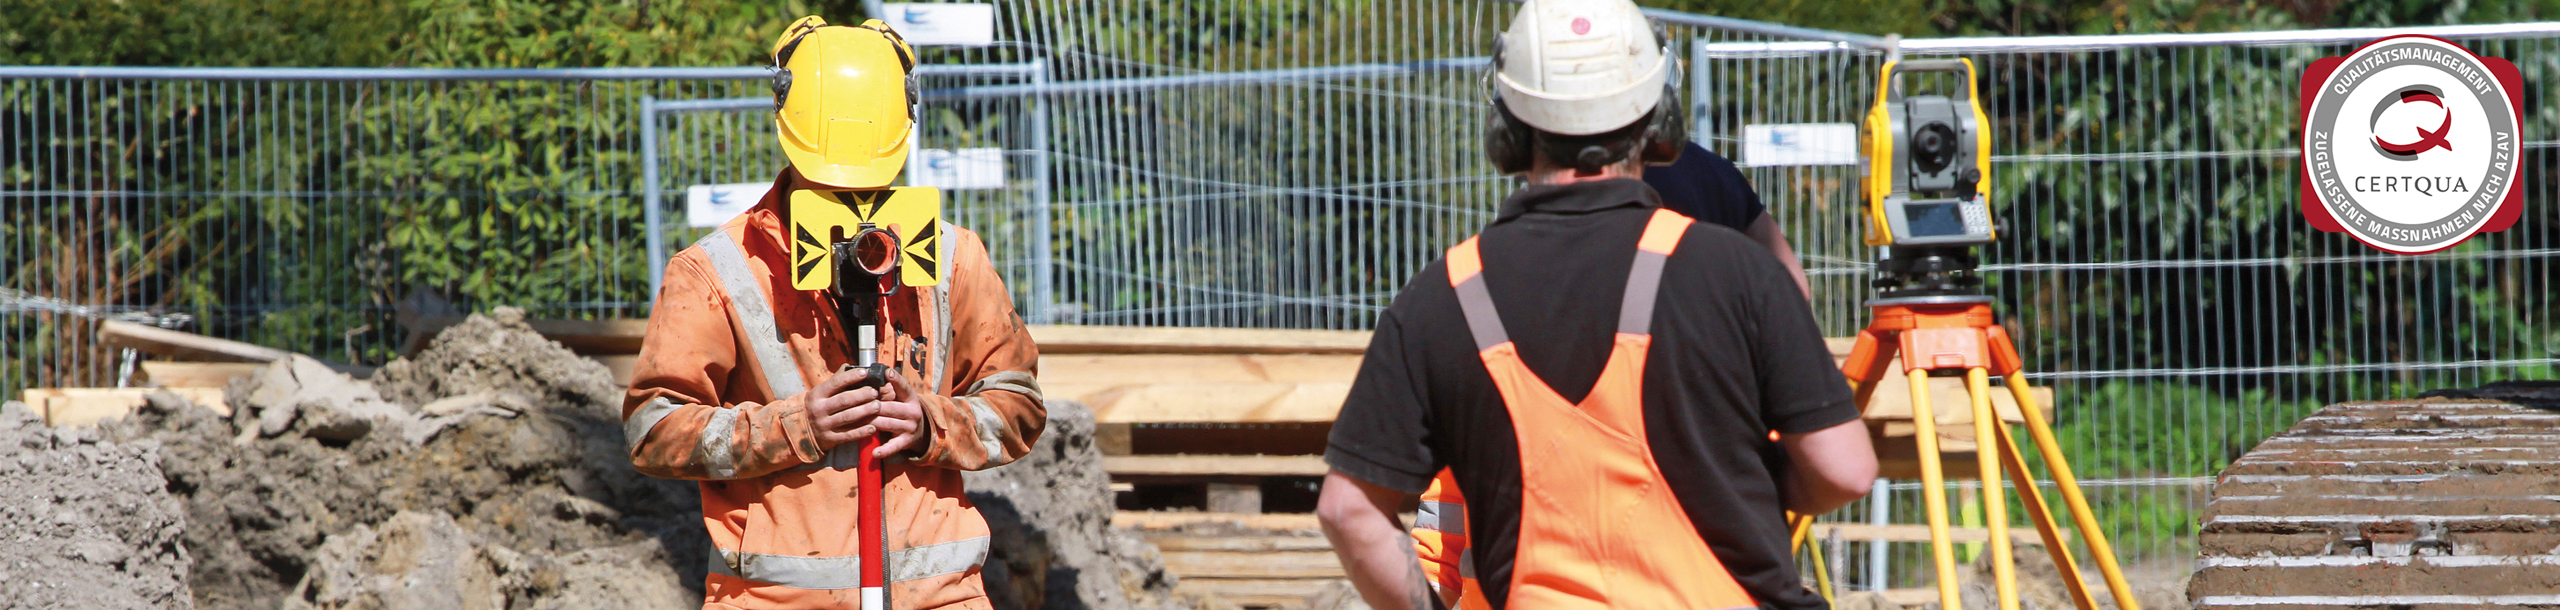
(1735, 354)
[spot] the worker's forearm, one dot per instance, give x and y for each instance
(1375, 550)
(1829, 468)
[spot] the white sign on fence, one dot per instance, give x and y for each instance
(708, 205)
(967, 168)
(1800, 144)
(943, 24)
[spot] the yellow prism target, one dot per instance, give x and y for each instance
(818, 218)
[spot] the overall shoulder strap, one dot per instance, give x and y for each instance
(1644, 280)
(1466, 274)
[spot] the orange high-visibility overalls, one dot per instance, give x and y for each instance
(717, 397)
(1599, 526)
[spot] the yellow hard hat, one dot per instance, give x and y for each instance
(844, 101)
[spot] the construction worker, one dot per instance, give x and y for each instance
(742, 383)
(1709, 188)
(1613, 453)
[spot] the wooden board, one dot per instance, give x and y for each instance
(1214, 465)
(1259, 592)
(1913, 532)
(1241, 544)
(1254, 564)
(1168, 520)
(1187, 402)
(196, 374)
(614, 336)
(1054, 339)
(184, 345)
(87, 406)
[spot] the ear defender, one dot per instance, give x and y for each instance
(1510, 145)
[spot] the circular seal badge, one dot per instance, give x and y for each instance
(2410, 144)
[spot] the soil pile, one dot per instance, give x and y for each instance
(488, 471)
(86, 522)
(1054, 545)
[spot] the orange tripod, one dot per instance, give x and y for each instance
(1957, 334)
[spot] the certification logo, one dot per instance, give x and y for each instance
(2410, 144)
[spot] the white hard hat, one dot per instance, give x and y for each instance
(1579, 67)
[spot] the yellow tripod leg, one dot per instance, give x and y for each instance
(1798, 526)
(1933, 489)
(1995, 504)
(2104, 553)
(2042, 514)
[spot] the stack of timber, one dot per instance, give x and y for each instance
(1214, 438)
(2432, 503)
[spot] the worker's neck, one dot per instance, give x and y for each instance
(1547, 173)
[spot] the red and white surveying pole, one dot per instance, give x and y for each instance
(866, 275)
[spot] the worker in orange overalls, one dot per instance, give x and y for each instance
(742, 384)
(1612, 453)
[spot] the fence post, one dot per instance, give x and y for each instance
(1043, 266)
(649, 195)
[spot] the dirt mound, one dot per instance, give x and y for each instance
(1054, 546)
(86, 522)
(508, 436)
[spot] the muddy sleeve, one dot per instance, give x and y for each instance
(677, 415)
(997, 411)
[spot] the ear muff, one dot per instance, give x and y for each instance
(906, 64)
(1667, 130)
(1510, 145)
(782, 60)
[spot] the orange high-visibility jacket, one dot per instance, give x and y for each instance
(1599, 528)
(716, 396)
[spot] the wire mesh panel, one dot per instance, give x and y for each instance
(304, 209)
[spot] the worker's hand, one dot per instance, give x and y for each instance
(850, 415)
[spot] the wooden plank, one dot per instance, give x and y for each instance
(611, 336)
(196, 374)
(1245, 498)
(1921, 596)
(87, 406)
(1166, 520)
(1127, 369)
(1056, 339)
(1215, 465)
(1271, 564)
(1240, 544)
(183, 345)
(1259, 591)
(1112, 438)
(1913, 532)
(1186, 402)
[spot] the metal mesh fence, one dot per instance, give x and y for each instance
(1290, 165)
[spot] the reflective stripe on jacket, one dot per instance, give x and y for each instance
(1597, 528)
(716, 396)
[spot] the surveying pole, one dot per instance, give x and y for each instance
(1927, 157)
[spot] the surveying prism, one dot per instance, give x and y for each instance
(1927, 163)
(861, 246)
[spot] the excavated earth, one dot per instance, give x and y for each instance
(2447, 501)
(487, 471)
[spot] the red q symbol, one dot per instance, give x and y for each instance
(2427, 140)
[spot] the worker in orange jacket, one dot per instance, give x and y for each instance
(742, 382)
(1599, 375)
